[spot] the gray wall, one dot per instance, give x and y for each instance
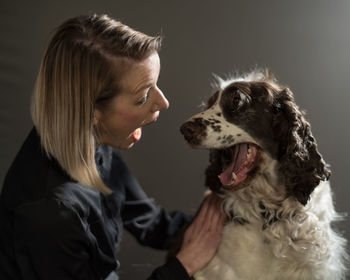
(305, 43)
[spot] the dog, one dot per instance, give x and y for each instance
(264, 161)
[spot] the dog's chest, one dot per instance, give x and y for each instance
(242, 254)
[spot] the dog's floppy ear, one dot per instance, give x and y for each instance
(300, 162)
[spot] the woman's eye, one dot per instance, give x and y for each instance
(144, 99)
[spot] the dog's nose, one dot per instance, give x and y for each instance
(193, 131)
(188, 130)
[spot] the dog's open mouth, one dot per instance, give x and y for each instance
(238, 161)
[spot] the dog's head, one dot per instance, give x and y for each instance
(250, 119)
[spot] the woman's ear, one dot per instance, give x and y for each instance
(96, 117)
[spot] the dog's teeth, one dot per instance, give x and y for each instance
(249, 153)
(234, 176)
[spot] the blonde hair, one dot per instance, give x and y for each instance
(76, 76)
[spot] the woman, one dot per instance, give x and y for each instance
(68, 193)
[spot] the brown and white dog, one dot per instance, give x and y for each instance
(264, 161)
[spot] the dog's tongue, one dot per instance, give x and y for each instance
(239, 156)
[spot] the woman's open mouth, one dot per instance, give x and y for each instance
(238, 161)
(136, 135)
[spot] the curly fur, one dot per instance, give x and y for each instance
(300, 162)
(282, 214)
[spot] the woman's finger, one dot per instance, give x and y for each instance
(211, 215)
(222, 220)
(202, 214)
(216, 216)
(207, 222)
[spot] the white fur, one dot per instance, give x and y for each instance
(221, 83)
(227, 129)
(300, 245)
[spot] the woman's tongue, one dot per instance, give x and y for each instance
(136, 135)
(239, 156)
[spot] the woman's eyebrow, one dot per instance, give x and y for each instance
(148, 85)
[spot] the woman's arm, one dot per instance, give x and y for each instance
(171, 270)
(52, 243)
(153, 226)
(199, 244)
(147, 221)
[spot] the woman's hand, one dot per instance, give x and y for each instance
(202, 237)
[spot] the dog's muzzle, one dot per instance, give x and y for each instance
(194, 131)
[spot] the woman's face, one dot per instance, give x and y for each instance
(137, 104)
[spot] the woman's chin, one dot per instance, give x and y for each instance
(122, 144)
(126, 147)
(126, 144)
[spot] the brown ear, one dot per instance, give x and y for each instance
(301, 164)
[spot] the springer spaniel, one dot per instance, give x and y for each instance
(264, 161)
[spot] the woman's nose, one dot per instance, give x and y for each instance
(161, 103)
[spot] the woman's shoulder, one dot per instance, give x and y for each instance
(47, 214)
(81, 199)
(32, 176)
(64, 201)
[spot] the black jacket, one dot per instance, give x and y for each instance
(52, 227)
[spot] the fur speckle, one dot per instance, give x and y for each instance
(282, 214)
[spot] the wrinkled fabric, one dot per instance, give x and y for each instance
(52, 227)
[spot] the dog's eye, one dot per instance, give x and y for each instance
(237, 99)
(233, 99)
